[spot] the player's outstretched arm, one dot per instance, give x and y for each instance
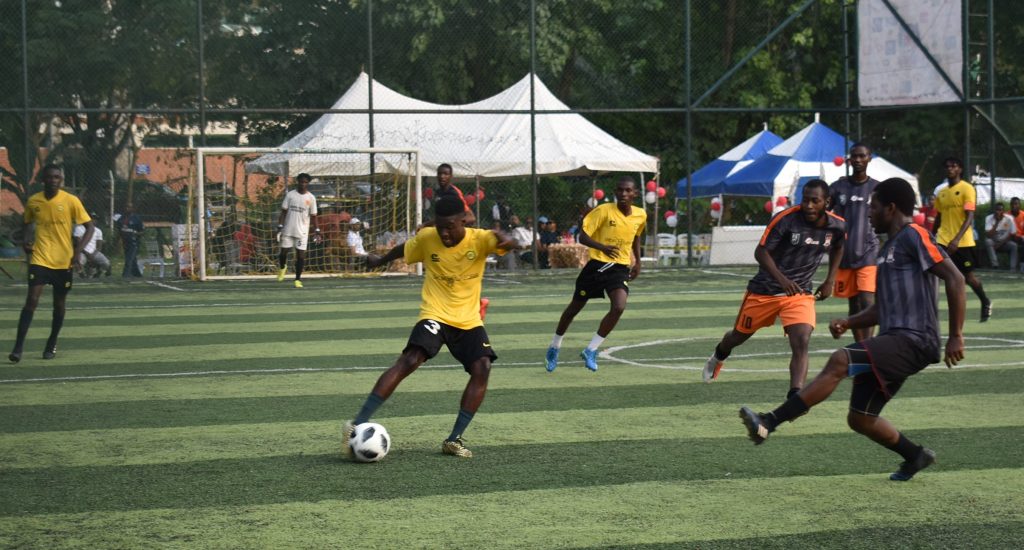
(765, 260)
(505, 242)
(825, 290)
(374, 261)
(957, 300)
(585, 240)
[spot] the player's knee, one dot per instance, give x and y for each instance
(859, 422)
(838, 363)
(481, 368)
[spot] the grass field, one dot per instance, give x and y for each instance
(192, 414)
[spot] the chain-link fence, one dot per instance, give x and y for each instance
(117, 93)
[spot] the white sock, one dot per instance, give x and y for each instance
(556, 342)
(595, 342)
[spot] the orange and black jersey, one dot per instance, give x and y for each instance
(907, 292)
(797, 248)
(850, 202)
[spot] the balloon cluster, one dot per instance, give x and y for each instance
(654, 192)
(472, 198)
(671, 219)
(716, 208)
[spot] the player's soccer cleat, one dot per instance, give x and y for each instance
(298, 283)
(347, 430)
(552, 359)
(280, 274)
(924, 459)
(756, 430)
(14, 357)
(456, 448)
(589, 359)
(484, 302)
(50, 352)
(711, 369)
(986, 311)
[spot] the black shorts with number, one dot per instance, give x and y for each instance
(879, 366)
(965, 259)
(466, 345)
(597, 278)
(59, 279)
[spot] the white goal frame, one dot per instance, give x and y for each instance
(199, 186)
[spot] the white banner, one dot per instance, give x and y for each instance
(892, 68)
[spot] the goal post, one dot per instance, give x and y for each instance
(371, 197)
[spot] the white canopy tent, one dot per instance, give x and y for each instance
(477, 145)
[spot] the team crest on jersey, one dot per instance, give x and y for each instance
(842, 198)
(828, 240)
(435, 258)
(471, 255)
(890, 257)
(794, 239)
(611, 223)
(60, 208)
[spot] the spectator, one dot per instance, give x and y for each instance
(130, 227)
(930, 212)
(91, 256)
(999, 232)
(548, 236)
(1018, 219)
(525, 239)
(501, 212)
(354, 239)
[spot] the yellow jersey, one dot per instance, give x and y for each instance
(606, 224)
(953, 204)
(453, 276)
(55, 220)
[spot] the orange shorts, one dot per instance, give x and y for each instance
(759, 311)
(851, 282)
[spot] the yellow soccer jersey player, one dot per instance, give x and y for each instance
(452, 283)
(953, 204)
(607, 224)
(55, 219)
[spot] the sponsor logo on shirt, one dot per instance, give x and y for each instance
(435, 258)
(810, 240)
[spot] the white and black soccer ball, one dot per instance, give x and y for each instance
(370, 442)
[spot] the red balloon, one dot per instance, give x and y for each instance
(839, 160)
(428, 192)
(716, 205)
(669, 214)
(598, 194)
(782, 201)
(470, 199)
(652, 185)
(919, 218)
(480, 194)
(661, 192)
(768, 206)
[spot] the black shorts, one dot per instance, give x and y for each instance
(597, 278)
(965, 259)
(59, 279)
(879, 367)
(466, 345)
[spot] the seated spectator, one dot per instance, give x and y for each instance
(1000, 230)
(548, 236)
(524, 237)
(354, 239)
(93, 261)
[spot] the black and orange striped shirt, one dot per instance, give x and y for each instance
(907, 292)
(797, 248)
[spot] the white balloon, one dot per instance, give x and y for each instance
(672, 221)
(426, 204)
(651, 197)
(592, 202)
(715, 214)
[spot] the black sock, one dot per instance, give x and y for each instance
(980, 291)
(299, 264)
(719, 354)
(23, 323)
(792, 392)
(373, 402)
(282, 259)
(792, 408)
(905, 448)
(461, 423)
(55, 326)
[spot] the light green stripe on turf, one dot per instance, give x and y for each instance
(197, 443)
(685, 513)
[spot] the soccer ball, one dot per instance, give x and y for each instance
(370, 442)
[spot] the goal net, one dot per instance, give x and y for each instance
(368, 200)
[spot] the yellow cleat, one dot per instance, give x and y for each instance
(456, 448)
(347, 430)
(280, 274)
(298, 283)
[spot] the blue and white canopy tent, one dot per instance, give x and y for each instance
(808, 154)
(709, 180)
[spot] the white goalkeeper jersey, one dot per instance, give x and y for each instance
(300, 207)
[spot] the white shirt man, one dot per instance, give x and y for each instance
(299, 207)
(354, 239)
(91, 251)
(999, 232)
